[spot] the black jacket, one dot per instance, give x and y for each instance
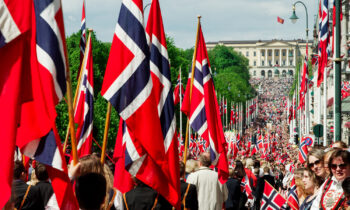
(142, 197)
(33, 199)
(45, 190)
(234, 194)
(191, 200)
(260, 187)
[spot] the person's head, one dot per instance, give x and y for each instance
(41, 172)
(90, 190)
(311, 181)
(204, 159)
(340, 145)
(256, 164)
(182, 168)
(326, 157)
(266, 170)
(191, 166)
(239, 169)
(19, 171)
(315, 162)
(249, 163)
(91, 164)
(339, 164)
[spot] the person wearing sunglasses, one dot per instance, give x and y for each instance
(331, 194)
(315, 163)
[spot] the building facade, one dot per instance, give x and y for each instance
(268, 58)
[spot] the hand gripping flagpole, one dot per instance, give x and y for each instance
(192, 76)
(76, 92)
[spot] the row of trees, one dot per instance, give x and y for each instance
(230, 72)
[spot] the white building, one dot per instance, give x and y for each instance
(268, 58)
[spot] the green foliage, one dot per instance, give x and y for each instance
(231, 74)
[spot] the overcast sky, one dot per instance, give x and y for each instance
(221, 19)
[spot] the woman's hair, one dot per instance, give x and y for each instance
(191, 166)
(345, 155)
(239, 169)
(315, 179)
(91, 164)
(318, 153)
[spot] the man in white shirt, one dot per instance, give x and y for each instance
(211, 193)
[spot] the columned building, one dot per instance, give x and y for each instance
(268, 58)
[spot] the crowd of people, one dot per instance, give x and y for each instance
(322, 182)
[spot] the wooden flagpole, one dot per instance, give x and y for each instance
(192, 76)
(105, 134)
(76, 93)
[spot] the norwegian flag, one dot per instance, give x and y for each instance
(225, 106)
(232, 117)
(179, 89)
(323, 41)
(271, 200)
(260, 143)
(82, 43)
(160, 72)
(246, 187)
(292, 198)
(39, 57)
(303, 152)
(83, 114)
(203, 110)
(129, 87)
(254, 150)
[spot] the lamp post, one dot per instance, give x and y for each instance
(294, 19)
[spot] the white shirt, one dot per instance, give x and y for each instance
(211, 193)
(335, 191)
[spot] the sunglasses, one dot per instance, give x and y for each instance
(341, 166)
(311, 165)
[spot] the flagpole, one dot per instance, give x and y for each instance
(191, 85)
(227, 126)
(337, 75)
(76, 93)
(180, 106)
(105, 134)
(71, 114)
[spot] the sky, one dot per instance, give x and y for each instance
(221, 20)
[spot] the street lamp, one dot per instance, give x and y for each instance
(294, 17)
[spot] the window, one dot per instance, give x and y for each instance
(283, 53)
(254, 73)
(276, 53)
(254, 63)
(291, 63)
(263, 53)
(254, 53)
(270, 63)
(284, 62)
(247, 53)
(263, 63)
(270, 53)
